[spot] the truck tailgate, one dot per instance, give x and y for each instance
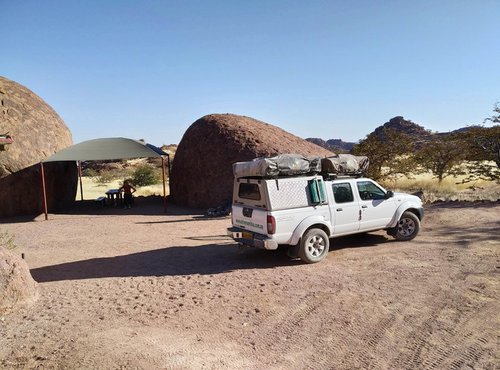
(249, 218)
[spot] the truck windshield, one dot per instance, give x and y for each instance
(249, 191)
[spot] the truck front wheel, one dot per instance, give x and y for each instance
(407, 227)
(314, 246)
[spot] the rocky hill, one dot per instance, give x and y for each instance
(400, 124)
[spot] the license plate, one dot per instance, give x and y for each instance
(247, 235)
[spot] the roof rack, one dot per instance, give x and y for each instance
(326, 176)
(309, 174)
(335, 176)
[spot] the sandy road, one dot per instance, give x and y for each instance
(144, 290)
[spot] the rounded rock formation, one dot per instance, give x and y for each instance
(37, 132)
(202, 174)
(17, 287)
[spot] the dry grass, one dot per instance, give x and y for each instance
(93, 190)
(450, 189)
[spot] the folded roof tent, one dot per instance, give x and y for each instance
(106, 149)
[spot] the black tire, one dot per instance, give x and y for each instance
(407, 228)
(314, 246)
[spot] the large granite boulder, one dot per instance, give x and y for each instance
(17, 287)
(202, 175)
(37, 132)
(21, 193)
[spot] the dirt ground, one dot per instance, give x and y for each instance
(139, 289)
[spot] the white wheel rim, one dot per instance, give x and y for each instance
(315, 246)
(406, 227)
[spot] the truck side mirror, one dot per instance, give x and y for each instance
(389, 194)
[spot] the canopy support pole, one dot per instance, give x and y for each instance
(164, 189)
(79, 163)
(168, 168)
(44, 193)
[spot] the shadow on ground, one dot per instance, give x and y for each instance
(147, 206)
(186, 260)
(150, 205)
(204, 260)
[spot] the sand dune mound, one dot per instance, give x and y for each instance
(202, 170)
(17, 287)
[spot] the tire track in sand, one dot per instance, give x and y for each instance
(283, 335)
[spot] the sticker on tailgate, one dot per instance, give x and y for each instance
(249, 223)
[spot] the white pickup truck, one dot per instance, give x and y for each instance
(304, 212)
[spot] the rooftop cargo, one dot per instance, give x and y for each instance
(281, 165)
(285, 165)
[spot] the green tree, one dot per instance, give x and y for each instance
(441, 156)
(495, 118)
(389, 153)
(105, 176)
(145, 175)
(482, 145)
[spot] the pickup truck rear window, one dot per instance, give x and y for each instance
(342, 192)
(249, 191)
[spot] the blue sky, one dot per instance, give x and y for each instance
(329, 69)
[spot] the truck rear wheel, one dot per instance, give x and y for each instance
(407, 227)
(314, 246)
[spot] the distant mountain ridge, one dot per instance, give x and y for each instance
(398, 123)
(414, 130)
(334, 145)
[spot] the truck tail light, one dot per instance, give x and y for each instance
(271, 225)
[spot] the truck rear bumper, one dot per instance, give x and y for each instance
(252, 239)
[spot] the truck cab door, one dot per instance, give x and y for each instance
(345, 209)
(377, 209)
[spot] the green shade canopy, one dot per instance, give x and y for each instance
(106, 149)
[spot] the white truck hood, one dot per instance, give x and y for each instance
(407, 198)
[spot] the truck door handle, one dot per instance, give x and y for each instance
(363, 206)
(339, 209)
